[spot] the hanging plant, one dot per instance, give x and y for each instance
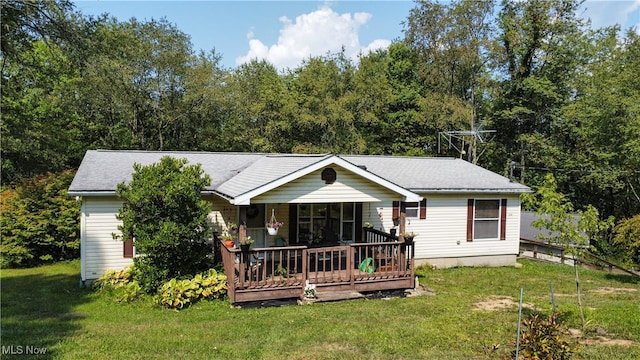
(273, 224)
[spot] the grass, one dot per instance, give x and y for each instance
(44, 307)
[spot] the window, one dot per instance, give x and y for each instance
(326, 223)
(412, 209)
(486, 219)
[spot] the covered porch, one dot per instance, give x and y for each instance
(381, 262)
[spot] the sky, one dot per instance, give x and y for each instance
(287, 32)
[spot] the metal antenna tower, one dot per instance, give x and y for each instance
(467, 138)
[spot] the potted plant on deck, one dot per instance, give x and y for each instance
(245, 244)
(273, 225)
(408, 237)
(228, 240)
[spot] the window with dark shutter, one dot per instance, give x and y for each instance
(423, 209)
(395, 210)
(470, 211)
(486, 219)
(127, 249)
(503, 219)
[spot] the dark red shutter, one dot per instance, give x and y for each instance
(470, 220)
(503, 219)
(127, 249)
(423, 209)
(395, 211)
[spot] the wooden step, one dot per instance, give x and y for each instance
(325, 296)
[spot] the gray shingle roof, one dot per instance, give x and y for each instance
(237, 173)
(420, 174)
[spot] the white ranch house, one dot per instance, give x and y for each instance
(463, 215)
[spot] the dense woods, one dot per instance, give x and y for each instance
(562, 97)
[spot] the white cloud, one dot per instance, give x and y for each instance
(377, 44)
(317, 33)
(625, 13)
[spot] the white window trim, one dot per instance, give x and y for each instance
(497, 237)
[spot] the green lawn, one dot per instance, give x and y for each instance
(44, 308)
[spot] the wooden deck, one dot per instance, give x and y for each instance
(282, 272)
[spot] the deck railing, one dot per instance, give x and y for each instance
(282, 272)
(372, 235)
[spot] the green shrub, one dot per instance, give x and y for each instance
(179, 294)
(39, 222)
(542, 338)
(627, 240)
(165, 213)
(119, 283)
(114, 279)
(423, 270)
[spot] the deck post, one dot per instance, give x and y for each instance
(304, 267)
(403, 219)
(351, 267)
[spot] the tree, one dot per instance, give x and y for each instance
(164, 213)
(600, 130)
(322, 87)
(258, 108)
(24, 22)
(627, 239)
(369, 100)
(206, 108)
(539, 54)
(39, 133)
(133, 89)
(39, 221)
(402, 131)
(452, 43)
(557, 215)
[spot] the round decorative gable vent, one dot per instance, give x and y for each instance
(328, 175)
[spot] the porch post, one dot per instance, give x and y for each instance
(242, 228)
(403, 218)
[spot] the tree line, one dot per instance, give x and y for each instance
(561, 96)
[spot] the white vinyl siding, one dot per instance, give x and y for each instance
(443, 233)
(100, 252)
(310, 188)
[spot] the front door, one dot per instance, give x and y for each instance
(255, 224)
